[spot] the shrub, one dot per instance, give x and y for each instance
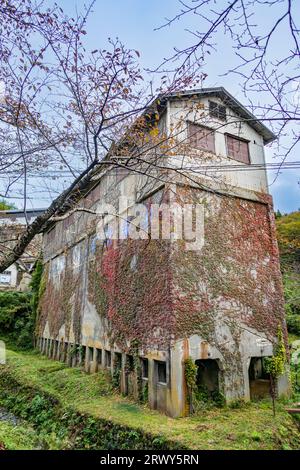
(293, 324)
(16, 322)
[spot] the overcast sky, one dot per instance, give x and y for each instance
(134, 22)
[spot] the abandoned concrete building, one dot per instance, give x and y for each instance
(141, 307)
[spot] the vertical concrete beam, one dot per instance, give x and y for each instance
(177, 400)
(246, 364)
(152, 387)
(123, 384)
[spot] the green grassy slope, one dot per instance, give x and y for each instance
(249, 427)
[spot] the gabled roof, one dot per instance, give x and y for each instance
(230, 101)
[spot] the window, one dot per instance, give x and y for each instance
(99, 356)
(238, 149)
(201, 137)
(51, 345)
(129, 363)
(81, 354)
(144, 368)
(217, 110)
(5, 277)
(90, 354)
(55, 349)
(161, 371)
(107, 358)
(65, 352)
(118, 361)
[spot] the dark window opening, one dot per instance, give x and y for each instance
(129, 363)
(107, 358)
(91, 354)
(217, 110)
(201, 137)
(161, 369)
(56, 349)
(238, 149)
(259, 379)
(65, 352)
(50, 352)
(145, 371)
(5, 277)
(99, 356)
(118, 360)
(208, 376)
(82, 354)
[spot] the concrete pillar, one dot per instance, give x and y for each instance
(177, 396)
(152, 389)
(246, 364)
(123, 384)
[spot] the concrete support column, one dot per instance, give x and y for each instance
(123, 381)
(177, 397)
(246, 365)
(152, 389)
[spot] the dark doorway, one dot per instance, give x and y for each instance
(259, 379)
(208, 376)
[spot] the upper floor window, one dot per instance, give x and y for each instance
(201, 137)
(5, 277)
(217, 110)
(238, 149)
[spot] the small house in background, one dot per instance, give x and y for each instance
(12, 224)
(140, 308)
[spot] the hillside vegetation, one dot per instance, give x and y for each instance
(288, 235)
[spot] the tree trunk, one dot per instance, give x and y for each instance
(62, 202)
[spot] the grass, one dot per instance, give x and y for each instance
(19, 437)
(250, 426)
(293, 337)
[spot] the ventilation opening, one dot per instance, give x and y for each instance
(259, 379)
(98, 358)
(161, 372)
(129, 364)
(90, 358)
(118, 360)
(208, 378)
(145, 372)
(107, 358)
(50, 350)
(82, 355)
(48, 347)
(65, 352)
(56, 349)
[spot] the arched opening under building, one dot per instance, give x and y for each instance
(208, 378)
(259, 379)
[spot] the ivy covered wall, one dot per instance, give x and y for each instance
(154, 292)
